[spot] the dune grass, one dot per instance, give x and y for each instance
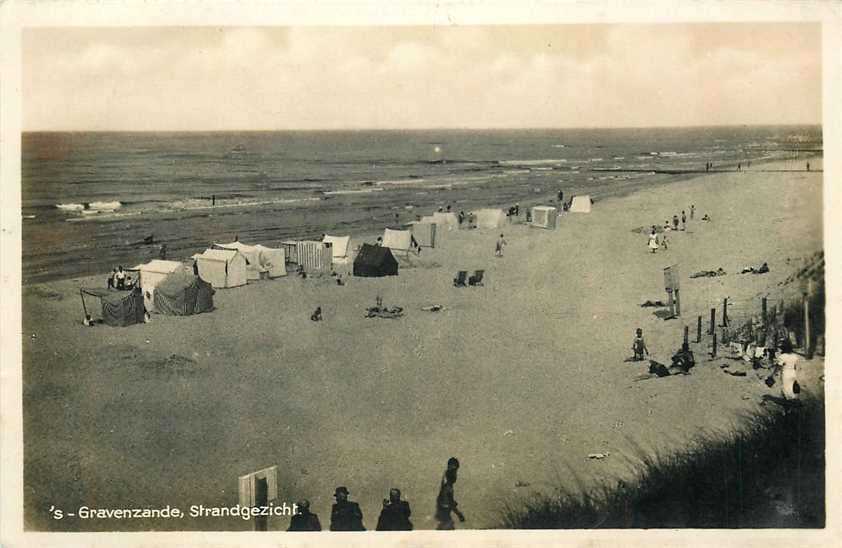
(769, 474)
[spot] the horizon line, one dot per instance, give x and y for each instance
(398, 129)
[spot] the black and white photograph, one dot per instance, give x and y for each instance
(294, 277)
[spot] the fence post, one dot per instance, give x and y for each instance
(686, 336)
(725, 312)
(699, 329)
(764, 312)
(714, 345)
(808, 347)
(712, 321)
(677, 302)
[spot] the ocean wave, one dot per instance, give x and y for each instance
(547, 161)
(71, 207)
(105, 206)
(359, 191)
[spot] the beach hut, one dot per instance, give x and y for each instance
(339, 248)
(254, 268)
(581, 204)
(399, 241)
(222, 268)
(448, 219)
(119, 308)
(424, 233)
(490, 218)
(183, 294)
(151, 274)
(544, 217)
(375, 261)
(314, 256)
(273, 259)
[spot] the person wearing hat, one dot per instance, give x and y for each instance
(445, 502)
(345, 515)
(304, 520)
(395, 513)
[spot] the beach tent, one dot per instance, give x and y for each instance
(424, 234)
(119, 308)
(339, 248)
(274, 259)
(544, 216)
(581, 204)
(314, 256)
(151, 274)
(183, 294)
(375, 261)
(449, 219)
(222, 267)
(490, 218)
(399, 241)
(254, 266)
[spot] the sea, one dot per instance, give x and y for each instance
(95, 200)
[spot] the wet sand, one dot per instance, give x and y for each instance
(521, 379)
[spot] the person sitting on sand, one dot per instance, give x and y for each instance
(471, 220)
(667, 225)
(120, 278)
(379, 241)
(317, 315)
(501, 243)
(706, 217)
(639, 345)
(88, 322)
(653, 240)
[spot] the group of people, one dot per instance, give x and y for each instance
(119, 279)
(678, 223)
(346, 515)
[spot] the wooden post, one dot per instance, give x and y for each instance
(677, 302)
(764, 312)
(686, 336)
(725, 312)
(808, 347)
(699, 329)
(85, 308)
(712, 329)
(713, 353)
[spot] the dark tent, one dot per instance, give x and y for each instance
(375, 261)
(119, 308)
(183, 294)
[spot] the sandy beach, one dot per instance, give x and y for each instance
(520, 379)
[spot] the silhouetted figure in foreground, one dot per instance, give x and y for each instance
(345, 515)
(445, 502)
(304, 520)
(395, 513)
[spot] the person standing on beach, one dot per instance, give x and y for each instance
(683, 220)
(501, 243)
(808, 166)
(304, 520)
(692, 211)
(395, 513)
(111, 278)
(120, 278)
(787, 361)
(675, 222)
(653, 240)
(445, 502)
(639, 345)
(345, 515)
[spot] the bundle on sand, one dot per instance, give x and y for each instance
(708, 273)
(384, 312)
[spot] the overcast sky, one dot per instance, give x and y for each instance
(421, 77)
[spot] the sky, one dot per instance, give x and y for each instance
(274, 78)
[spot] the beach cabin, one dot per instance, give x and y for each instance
(222, 268)
(254, 268)
(544, 217)
(580, 204)
(119, 308)
(375, 261)
(183, 294)
(398, 241)
(424, 233)
(314, 256)
(150, 275)
(490, 218)
(448, 219)
(339, 248)
(273, 259)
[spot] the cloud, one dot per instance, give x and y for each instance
(415, 77)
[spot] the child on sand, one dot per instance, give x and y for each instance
(501, 243)
(639, 345)
(653, 240)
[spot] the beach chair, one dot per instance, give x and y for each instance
(459, 280)
(476, 279)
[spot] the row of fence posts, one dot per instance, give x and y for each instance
(765, 317)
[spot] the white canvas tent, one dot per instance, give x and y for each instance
(274, 260)
(490, 218)
(254, 265)
(399, 241)
(581, 204)
(222, 267)
(449, 220)
(339, 248)
(151, 274)
(544, 217)
(425, 233)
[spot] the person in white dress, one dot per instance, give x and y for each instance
(653, 240)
